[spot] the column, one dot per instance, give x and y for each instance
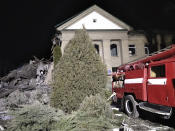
(124, 50)
(107, 53)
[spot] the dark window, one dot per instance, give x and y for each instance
(146, 49)
(97, 48)
(114, 50)
(114, 69)
(94, 20)
(132, 50)
(157, 71)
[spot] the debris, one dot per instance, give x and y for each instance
(6, 91)
(1, 128)
(41, 72)
(116, 129)
(24, 78)
(118, 114)
(22, 86)
(48, 78)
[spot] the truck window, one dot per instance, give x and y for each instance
(157, 71)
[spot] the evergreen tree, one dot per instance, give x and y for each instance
(79, 73)
(56, 54)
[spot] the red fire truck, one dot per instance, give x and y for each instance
(147, 83)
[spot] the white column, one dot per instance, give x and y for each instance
(107, 53)
(158, 38)
(125, 51)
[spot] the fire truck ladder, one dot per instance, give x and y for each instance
(158, 55)
(152, 54)
(160, 51)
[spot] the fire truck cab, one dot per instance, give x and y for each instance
(148, 84)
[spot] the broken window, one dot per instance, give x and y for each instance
(146, 49)
(132, 50)
(157, 71)
(114, 50)
(97, 48)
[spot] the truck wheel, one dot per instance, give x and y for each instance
(131, 106)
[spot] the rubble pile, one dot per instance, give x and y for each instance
(24, 85)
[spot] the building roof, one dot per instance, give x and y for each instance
(95, 11)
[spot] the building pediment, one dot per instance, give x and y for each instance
(94, 18)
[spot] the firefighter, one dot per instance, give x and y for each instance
(119, 78)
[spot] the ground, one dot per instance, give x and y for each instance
(146, 122)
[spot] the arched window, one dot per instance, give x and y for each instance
(114, 50)
(97, 48)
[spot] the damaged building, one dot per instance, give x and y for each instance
(115, 41)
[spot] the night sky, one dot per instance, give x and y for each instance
(27, 26)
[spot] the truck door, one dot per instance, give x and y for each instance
(156, 85)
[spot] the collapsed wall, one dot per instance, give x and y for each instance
(25, 85)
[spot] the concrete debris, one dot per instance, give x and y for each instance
(116, 129)
(24, 78)
(118, 114)
(1, 128)
(41, 72)
(48, 78)
(24, 85)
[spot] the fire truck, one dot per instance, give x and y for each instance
(147, 84)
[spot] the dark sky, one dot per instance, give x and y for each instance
(28, 25)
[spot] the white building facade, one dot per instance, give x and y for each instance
(110, 36)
